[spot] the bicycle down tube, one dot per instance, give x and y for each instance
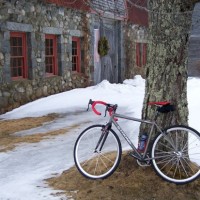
(174, 153)
(153, 124)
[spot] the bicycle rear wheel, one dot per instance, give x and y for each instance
(97, 163)
(176, 154)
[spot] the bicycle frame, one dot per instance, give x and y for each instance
(152, 123)
(174, 153)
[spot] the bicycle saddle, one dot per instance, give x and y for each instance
(163, 106)
(159, 103)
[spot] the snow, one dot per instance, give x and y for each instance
(23, 170)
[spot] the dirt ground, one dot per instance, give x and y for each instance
(129, 182)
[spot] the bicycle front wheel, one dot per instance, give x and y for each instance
(176, 154)
(101, 162)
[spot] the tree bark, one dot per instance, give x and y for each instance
(166, 71)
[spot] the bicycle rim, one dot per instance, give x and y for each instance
(97, 164)
(176, 154)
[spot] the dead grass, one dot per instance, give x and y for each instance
(12, 126)
(8, 140)
(129, 182)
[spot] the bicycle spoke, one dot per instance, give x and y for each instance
(184, 169)
(164, 156)
(192, 148)
(103, 162)
(188, 165)
(175, 168)
(85, 162)
(164, 145)
(92, 163)
(167, 162)
(96, 165)
(171, 142)
(192, 154)
(162, 152)
(177, 154)
(106, 158)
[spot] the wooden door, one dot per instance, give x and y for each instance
(109, 62)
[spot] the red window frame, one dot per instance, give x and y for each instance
(141, 54)
(76, 55)
(18, 55)
(51, 57)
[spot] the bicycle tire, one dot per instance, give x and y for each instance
(176, 154)
(97, 165)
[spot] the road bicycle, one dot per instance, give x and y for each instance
(174, 152)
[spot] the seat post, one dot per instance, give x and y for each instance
(156, 115)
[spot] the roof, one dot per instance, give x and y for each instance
(132, 10)
(115, 8)
(137, 12)
(76, 4)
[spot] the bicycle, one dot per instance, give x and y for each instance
(174, 153)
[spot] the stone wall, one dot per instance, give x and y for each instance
(194, 44)
(37, 18)
(133, 34)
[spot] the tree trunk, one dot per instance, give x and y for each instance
(166, 72)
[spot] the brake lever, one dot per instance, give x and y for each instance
(90, 102)
(106, 111)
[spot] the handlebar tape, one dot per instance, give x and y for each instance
(94, 104)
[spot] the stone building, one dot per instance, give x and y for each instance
(194, 44)
(51, 46)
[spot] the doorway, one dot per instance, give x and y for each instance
(106, 67)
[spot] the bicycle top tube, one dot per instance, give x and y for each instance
(162, 107)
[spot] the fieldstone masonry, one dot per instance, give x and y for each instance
(37, 18)
(133, 34)
(194, 44)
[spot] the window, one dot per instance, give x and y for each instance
(18, 58)
(76, 54)
(51, 64)
(141, 54)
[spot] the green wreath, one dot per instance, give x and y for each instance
(103, 46)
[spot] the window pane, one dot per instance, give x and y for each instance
(73, 67)
(14, 72)
(51, 51)
(50, 54)
(74, 44)
(49, 65)
(75, 54)
(14, 41)
(51, 42)
(19, 51)
(47, 42)
(19, 41)
(19, 71)
(18, 54)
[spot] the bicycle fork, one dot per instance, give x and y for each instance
(103, 137)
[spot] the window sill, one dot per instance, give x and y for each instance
(47, 75)
(20, 78)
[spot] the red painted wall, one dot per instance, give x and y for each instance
(78, 4)
(135, 15)
(138, 15)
